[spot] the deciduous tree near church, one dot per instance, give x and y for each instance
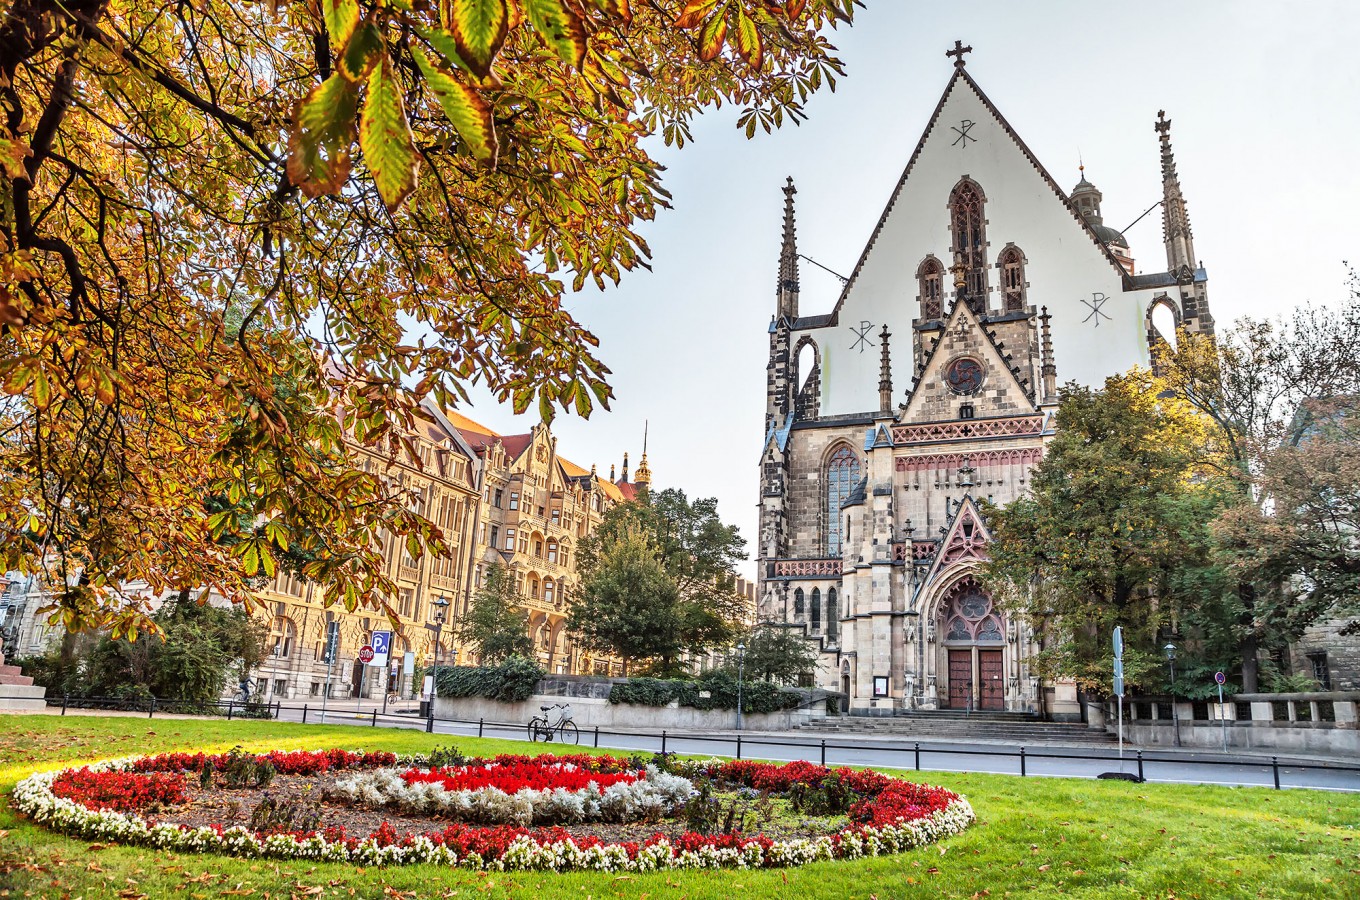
(1113, 529)
(390, 197)
(496, 625)
(1281, 396)
(658, 580)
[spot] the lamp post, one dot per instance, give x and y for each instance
(1170, 650)
(741, 662)
(440, 605)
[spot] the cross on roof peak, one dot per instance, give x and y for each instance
(1163, 123)
(958, 52)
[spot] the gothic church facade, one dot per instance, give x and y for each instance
(983, 285)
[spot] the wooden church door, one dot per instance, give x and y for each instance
(991, 674)
(960, 678)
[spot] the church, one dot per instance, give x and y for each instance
(930, 386)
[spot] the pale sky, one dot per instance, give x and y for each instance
(1264, 100)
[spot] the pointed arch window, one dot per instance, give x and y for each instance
(815, 609)
(798, 605)
(842, 473)
(833, 613)
(970, 238)
(930, 279)
(1012, 266)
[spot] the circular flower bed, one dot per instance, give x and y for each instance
(510, 812)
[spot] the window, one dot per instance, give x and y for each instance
(514, 499)
(930, 279)
(548, 590)
(557, 517)
(497, 497)
(1012, 266)
(833, 614)
(966, 411)
(538, 548)
(281, 637)
(798, 604)
(816, 609)
(1321, 671)
(552, 551)
(970, 239)
(510, 539)
(406, 607)
(495, 536)
(842, 474)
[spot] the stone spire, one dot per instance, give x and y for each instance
(625, 467)
(1049, 369)
(643, 474)
(788, 258)
(885, 374)
(1180, 244)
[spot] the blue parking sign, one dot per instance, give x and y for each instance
(381, 642)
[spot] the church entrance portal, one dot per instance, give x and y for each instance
(974, 637)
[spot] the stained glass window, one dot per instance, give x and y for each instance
(833, 613)
(798, 603)
(842, 473)
(815, 610)
(989, 630)
(970, 238)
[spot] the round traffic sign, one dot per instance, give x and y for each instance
(365, 654)
(1220, 677)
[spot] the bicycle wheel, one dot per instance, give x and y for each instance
(568, 734)
(538, 729)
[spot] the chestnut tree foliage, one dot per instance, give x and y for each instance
(237, 238)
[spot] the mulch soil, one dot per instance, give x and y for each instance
(233, 806)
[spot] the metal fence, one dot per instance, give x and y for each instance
(911, 754)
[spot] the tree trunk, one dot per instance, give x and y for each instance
(1246, 592)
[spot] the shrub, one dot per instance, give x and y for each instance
(512, 681)
(756, 696)
(241, 769)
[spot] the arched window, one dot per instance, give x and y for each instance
(533, 586)
(798, 605)
(930, 279)
(1012, 266)
(842, 473)
(833, 614)
(970, 238)
(972, 615)
(816, 609)
(552, 551)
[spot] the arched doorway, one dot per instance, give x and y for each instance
(974, 647)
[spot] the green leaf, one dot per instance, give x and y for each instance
(385, 137)
(479, 28)
(250, 558)
(748, 39)
(342, 17)
(712, 36)
(559, 29)
(42, 389)
(584, 405)
(465, 108)
(323, 132)
(362, 53)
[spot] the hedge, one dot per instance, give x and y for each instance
(756, 696)
(511, 682)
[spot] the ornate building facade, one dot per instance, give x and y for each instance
(982, 284)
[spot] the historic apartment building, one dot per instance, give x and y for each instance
(930, 385)
(507, 499)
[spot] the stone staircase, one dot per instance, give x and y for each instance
(18, 693)
(957, 725)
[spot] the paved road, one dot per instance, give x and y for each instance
(1181, 767)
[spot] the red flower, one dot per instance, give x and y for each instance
(122, 791)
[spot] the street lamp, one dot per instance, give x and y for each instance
(440, 605)
(741, 661)
(1170, 650)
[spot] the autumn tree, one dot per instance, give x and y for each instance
(1278, 393)
(372, 203)
(1115, 529)
(497, 624)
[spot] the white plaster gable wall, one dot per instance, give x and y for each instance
(1064, 266)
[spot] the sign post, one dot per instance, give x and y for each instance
(365, 657)
(1219, 677)
(1119, 684)
(332, 644)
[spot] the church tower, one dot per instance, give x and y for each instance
(926, 389)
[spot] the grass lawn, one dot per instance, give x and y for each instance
(1034, 837)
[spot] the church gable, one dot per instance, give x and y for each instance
(966, 375)
(965, 541)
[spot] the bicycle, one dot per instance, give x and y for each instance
(542, 729)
